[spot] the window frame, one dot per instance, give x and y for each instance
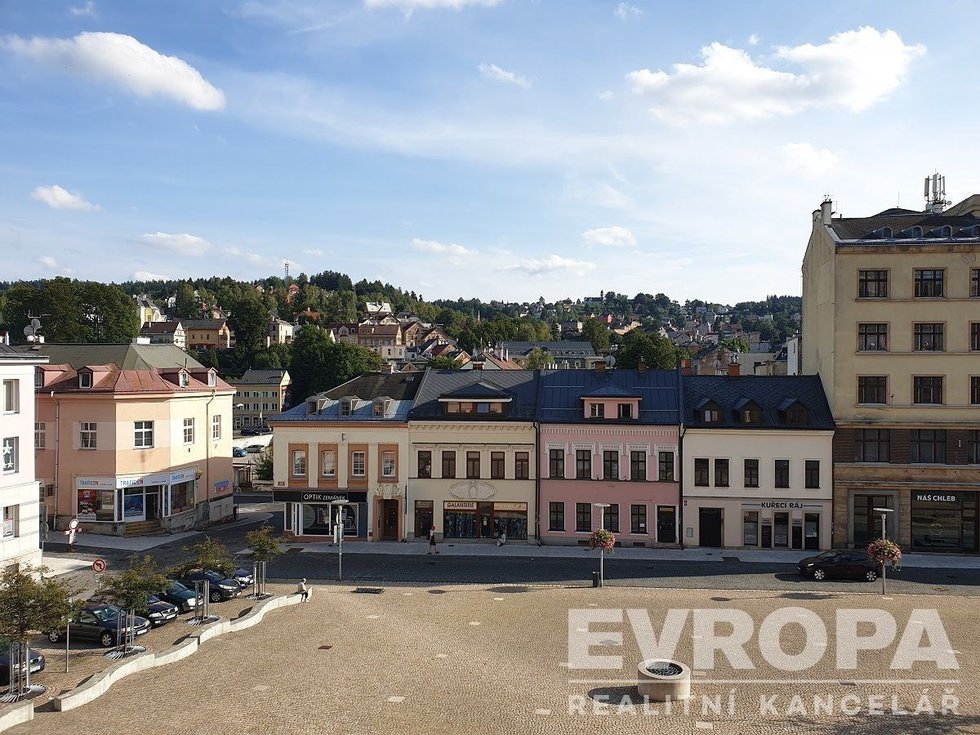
(522, 465)
(931, 287)
(88, 429)
(389, 463)
(781, 474)
(358, 457)
(811, 474)
(423, 460)
(40, 435)
(702, 472)
(638, 518)
(473, 462)
(556, 464)
(610, 464)
(872, 337)
(449, 464)
(10, 447)
(722, 478)
(873, 279)
(583, 518)
(143, 434)
(188, 430)
(974, 336)
(928, 336)
(332, 453)
(11, 396)
(926, 389)
(666, 466)
(927, 446)
(866, 389)
(556, 515)
(583, 464)
(879, 439)
(750, 472)
(638, 465)
(498, 465)
(297, 464)
(610, 517)
(975, 390)
(216, 427)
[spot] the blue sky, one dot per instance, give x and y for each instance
(500, 149)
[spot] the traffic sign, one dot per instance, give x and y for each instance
(99, 566)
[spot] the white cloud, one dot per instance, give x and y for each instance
(124, 61)
(808, 159)
(149, 276)
(57, 198)
(431, 246)
(754, 39)
(87, 9)
(181, 242)
(553, 264)
(494, 72)
(625, 10)
(316, 252)
(606, 95)
(48, 262)
(408, 6)
(854, 69)
(608, 236)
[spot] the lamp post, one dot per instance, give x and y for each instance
(602, 552)
(239, 407)
(338, 535)
(884, 514)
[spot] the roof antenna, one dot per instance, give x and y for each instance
(934, 191)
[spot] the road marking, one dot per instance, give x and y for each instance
(498, 599)
(442, 655)
(407, 594)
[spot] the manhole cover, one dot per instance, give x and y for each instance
(509, 589)
(369, 590)
(437, 592)
(730, 558)
(664, 668)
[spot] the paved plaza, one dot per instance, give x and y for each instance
(479, 659)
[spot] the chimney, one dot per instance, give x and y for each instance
(826, 210)
(686, 366)
(600, 367)
(733, 369)
(642, 366)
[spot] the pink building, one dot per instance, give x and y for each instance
(609, 455)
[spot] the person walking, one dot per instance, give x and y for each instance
(303, 591)
(432, 541)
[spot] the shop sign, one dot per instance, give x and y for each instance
(312, 496)
(141, 480)
(459, 505)
(96, 482)
(221, 486)
(936, 498)
(781, 504)
(510, 506)
(185, 475)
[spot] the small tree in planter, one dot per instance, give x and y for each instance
(207, 554)
(129, 590)
(265, 547)
(603, 540)
(882, 550)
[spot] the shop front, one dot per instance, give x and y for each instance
(757, 523)
(103, 502)
(472, 519)
(944, 521)
(314, 514)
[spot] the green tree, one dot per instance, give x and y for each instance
(536, 359)
(129, 589)
(29, 604)
(264, 545)
(443, 362)
(250, 319)
(263, 466)
(317, 364)
(596, 332)
(186, 304)
(735, 344)
(656, 352)
(207, 554)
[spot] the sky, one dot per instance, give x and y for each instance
(492, 149)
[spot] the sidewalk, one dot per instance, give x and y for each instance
(144, 543)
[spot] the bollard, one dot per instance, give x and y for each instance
(595, 579)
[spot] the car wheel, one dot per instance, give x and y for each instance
(54, 636)
(819, 574)
(870, 576)
(215, 596)
(107, 639)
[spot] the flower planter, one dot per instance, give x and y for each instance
(661, 680)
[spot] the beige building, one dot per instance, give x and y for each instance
(204, 334)
(259, 394)
(891, 324)
(128, 442)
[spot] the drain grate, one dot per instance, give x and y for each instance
(325, 648)
(437, 592)
(664, 668)
(369, 590)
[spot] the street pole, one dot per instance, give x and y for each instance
(884, 574)
(602, 551)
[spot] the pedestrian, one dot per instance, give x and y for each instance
(432, 541)
(502, 538)
(302, 590)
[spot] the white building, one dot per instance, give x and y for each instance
(19, 506)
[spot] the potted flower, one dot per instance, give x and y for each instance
(602, 539)
(882, 550)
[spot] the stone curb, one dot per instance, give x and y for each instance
(16, 714)
(100, 683)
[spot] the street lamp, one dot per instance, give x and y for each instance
(338, 537)
(239, 407)
(602, 551)
(884, 514)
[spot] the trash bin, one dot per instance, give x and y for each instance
(595, 579)
(236, 511)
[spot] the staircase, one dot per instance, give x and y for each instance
(142, 528)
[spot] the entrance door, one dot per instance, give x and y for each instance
(389, 520)
(485, 510)
(152, 505)
(423, 518)
(780, 535)
(666, 524)
(811, 531)
(709, 522)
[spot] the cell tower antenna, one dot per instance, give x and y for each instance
(286, 266)
(934, 191)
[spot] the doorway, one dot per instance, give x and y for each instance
(709, 522)
(423, 518)
(666, 524)
(389, 520)
(152, 505)
(486, 520)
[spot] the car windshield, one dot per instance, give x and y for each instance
(178, 587)
(105, 614)
(152, 599)
(827, 555)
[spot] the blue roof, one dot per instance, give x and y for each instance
(773, 394)
(560, 395)
(400, 388)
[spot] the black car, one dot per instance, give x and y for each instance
(222, 588)
(160, 612)
(99, 623)
(180, 595)
(840, 564)
(36, 664)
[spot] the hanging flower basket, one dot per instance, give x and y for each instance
(883, 550)
(602, 539)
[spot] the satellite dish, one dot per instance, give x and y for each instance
(610, 360)
(28, 331)
(35, 323)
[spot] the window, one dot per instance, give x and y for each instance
(872, 445)
(299, 463)
(625, 410)
(975, 390)
(11, 396)
(928, 283)
(610, 517)
(751, 414)
(750, 468)
(927, 337)
(712, 415)
(975, 282)
(86, 435)
(811, 473)
(796, 415)
(873, 337)
(872, 284)
(387, 464)
(556, 463)
(425, 464)
(10, 454)
(665, 466)
(358, 464)
(496, 465)
(472, 465)
(583, 517)
(449, 464)
(215, 427)
(638, 519)
(85, 380)
(188, 431)
(39, 435)
(610, 465)
(328, 463)
(522, 465)
(928, 445)
(701, 471)
(183, 379)
(597, 410)
(38, 378)
(10, 529)
(782, 472)
(975, 336)
(380, 407)
(212, 379)
(143, 434)
(974, 448)
(346, 407)
(583, 464)
(556, 516)
(872, 389)
(638, 465)
(927, 389)
(721, 473)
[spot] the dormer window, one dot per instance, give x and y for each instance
(708, 411)
(750, 414)
(183, 379)
(381, 406)
(347, 406)
(85, 379)
(597, 410)
(794, 412)
(212, 378)
(625, 410)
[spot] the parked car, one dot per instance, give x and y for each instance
(244, 577)
(238, 452)
(160, 612)
(250, 431)
(255, 448)
(35, 665)
(180, 595)
(99, 623)
(222, 588)
(840, 564)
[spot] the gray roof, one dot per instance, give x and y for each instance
(261, 377)
(560, 394)
(896, 225)
(559, 348)
(401, 388)
(203, 323)
(773, 394)
(22, 355)
(519, 385)
(125, 356)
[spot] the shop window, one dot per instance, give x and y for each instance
(11, 396)
(928, 446)
(665, 466)
(556, 516)
(638, 465)
(425, 463)
(873, 337)
(751, 472)
(472, 465)
(388, 464)
(872, 284)
(522, 466)
(40, 438)
(449, 464)
(781, 467)
(181, 497)
(929, 283)
(299, 463)
(811, 474)
(610, 465)
(10, 526)
(358, 464)
(87, 435)
(872, 389)
(928, 336)
(556, 464)
(638, 519)
(872, 445)
(610, 518)
(583, 464)
(188, 431)
(497, 465)
(701, 471)
(750, 528)
(927, 389)
(583, 517)
(143, 434)
(721, 473)
(10, 454)
(328, 463)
